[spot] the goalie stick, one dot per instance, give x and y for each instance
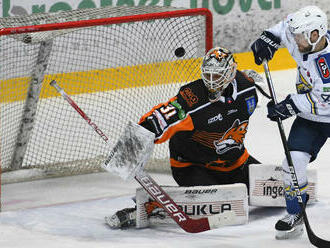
(315, 240)
(154, 190)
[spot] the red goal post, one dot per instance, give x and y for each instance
(122, 19)
(117, 62)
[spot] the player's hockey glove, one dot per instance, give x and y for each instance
(282, 110)
(265, 47)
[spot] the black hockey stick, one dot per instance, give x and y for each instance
(262, 91)
(315, 240)
(155, 191)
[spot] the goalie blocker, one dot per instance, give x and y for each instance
(266, 189)
(131, 152)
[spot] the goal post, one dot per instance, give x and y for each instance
(116, 62)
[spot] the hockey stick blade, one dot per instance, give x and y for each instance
(155, 191)
(315, 240)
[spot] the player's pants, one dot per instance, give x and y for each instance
(308, 136)
(305, 141)
(196, 175)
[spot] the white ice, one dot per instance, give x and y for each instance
(69, 212)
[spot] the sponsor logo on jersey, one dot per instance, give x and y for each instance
(233, 137)
(251, 104)
(189, 96)
(180, 110)
(326, 89)
(231, 111)
(215, 118)
(323, 67)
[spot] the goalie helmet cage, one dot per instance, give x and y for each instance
(116, 62)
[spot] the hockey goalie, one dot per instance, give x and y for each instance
(205, 123)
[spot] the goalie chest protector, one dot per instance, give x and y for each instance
(219, 128)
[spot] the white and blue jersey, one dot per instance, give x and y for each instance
(313, 77)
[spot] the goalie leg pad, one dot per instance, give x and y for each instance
(131, 152)
(267, 185)
(226, 204)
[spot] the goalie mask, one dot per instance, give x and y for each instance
(303, 22)
(218, 70)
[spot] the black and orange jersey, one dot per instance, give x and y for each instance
(206, 133)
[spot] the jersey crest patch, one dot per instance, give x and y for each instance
(251, 104)
(322, 64)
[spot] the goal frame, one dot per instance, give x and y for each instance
(109, 21)
(123, 19)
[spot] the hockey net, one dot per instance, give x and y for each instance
(115, 62)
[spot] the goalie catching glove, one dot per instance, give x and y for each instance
(282, 110)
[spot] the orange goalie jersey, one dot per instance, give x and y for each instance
(210, 134)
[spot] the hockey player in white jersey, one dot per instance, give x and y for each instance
(304, 33)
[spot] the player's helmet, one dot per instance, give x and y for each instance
(306, 20)
(218, 70)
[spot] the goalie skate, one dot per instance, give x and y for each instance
(122, 219)
(290, 227)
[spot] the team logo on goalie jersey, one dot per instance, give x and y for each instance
(233, 137)
(251, 104)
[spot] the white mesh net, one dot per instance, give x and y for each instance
(115, 72)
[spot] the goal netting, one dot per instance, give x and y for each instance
(116, 63)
